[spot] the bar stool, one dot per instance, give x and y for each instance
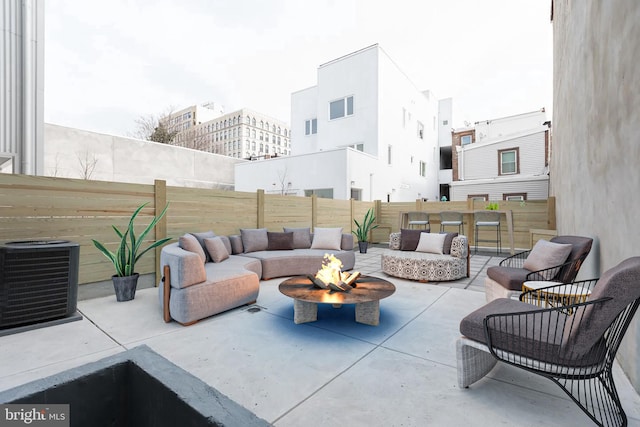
(451, 219)
(418, 219)
(487, 219)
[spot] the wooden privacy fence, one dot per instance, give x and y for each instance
(40, 208)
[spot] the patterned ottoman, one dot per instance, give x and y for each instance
(426, 267)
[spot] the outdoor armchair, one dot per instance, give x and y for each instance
(573, 343)
(505, 280)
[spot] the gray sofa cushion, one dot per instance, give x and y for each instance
(216, 249)
(190, 243)
(509, 277)
(254, 239)
(297, 262)
(301, 237)
(200, 237)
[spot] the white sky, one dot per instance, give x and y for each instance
(109, 62)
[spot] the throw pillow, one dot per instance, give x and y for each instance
(446, 248)
(254, 239)
(201, 237)
(547, 254)
(216, 248)
(279, 241)
(327, 238)
(227, 243)
(188, 242)
(301, 237)
(431, 242)
(409, 239)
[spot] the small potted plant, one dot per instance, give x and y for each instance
(363, 229)
(129, 251)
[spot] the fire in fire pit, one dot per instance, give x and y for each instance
(331, 276)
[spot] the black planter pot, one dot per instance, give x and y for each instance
(363, 247)
(125, 287)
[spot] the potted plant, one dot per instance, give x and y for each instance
(363, 229)
(128, 253)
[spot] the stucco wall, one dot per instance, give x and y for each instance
(68, 151)
(595, 168)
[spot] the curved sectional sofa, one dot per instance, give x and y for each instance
(201, 278)
(453, 264)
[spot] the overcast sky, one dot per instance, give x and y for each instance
(110, 62)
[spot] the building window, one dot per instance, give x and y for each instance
(508, 161)
(311, 126)
(423, 168)
(518, 197)
(479, 197)
(389, 150)
(420, 130)
(341, 108)
(323, 193)
(465, 139)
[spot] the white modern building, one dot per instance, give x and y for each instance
(502, 159)
(243, 134)
(365, 131)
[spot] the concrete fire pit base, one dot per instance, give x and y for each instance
(135, 388)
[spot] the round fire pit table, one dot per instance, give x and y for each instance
(366, 295)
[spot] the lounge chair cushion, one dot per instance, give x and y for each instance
(448, 239)
(622, 284)
(523, 338)
(510, 277)
(546, 254)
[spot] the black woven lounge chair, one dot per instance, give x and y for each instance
(505, 280)
(573, 344)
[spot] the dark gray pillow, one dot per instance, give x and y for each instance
(254, 239)
(448, 239)
(301, 237)
(409, 239)
(280, 241)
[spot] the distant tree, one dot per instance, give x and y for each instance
(88, 164)
(162, 134)
(153, 127)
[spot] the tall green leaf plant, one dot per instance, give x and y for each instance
(362, 229)
(130, 248)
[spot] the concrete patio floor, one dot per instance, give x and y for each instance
(332, 372)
